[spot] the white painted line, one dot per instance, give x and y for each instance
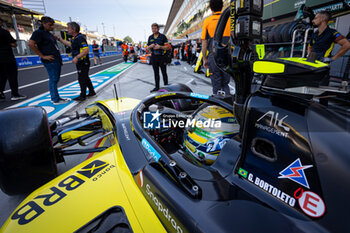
(66, 62)
(63, 75)
(74, 103)
(35, 97)
(54, 116)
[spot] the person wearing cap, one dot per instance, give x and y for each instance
(80, 54)
(8, 65)
(219, 78)
(44, 44)
(158, 43)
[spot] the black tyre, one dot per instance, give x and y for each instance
(27, 158)
(287, 33)
(266, 30)
(270, 38)
(277, 37)
(134, 58)
(178, 104)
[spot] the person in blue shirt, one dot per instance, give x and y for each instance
(96, 52)
(80, 54)
(44, 44)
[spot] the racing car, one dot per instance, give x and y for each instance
(145, 59)
(273, 160)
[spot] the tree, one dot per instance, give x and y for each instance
(128, 39)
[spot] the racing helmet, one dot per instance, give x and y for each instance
(213, 126)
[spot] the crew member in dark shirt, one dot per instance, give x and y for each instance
(80, 54)
(44, 44)
(8, 65)
(324, 38)
(158, 43)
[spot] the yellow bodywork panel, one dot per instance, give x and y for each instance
(81, 194)
(304, 61)
(123, 104)
(73, 134)
(268, 67)
(260, 50)
(73, 199)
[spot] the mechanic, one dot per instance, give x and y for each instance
(125, 47)
(44, 44)
(323, 39)
(219, 78)
(132, 51)
(96, 52)
(80, 54)
(8, 65)
(158, 43)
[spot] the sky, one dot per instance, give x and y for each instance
(129, 17)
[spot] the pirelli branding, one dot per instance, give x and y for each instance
(37, 206)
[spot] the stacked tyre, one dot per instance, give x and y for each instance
(284, 32)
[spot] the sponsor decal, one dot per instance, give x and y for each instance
(140, 179)
(165, 95)
(25, 62)
(34, 208)
(298, 3)
(162, 209)
(295, 172)
(93, 168)
(150, 149)
(120, 113)
(333, 7)
(310, 203)
(273, 123)
(151, 120)
(126, 133)
(289, 200)
(199, 96)
(243, 172)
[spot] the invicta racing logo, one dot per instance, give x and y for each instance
(93, 168)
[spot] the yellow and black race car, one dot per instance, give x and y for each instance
(275, 160)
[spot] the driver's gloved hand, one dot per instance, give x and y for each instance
(326, 60)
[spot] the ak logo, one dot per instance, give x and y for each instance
(274, 120)
(93, 168)
(295, 172)
(151, 120)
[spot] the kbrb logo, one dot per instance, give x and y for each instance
(151, 120)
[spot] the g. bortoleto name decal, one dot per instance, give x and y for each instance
(268, 188)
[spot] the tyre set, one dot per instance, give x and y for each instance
(284, 32)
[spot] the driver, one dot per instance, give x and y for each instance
(205, 143)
